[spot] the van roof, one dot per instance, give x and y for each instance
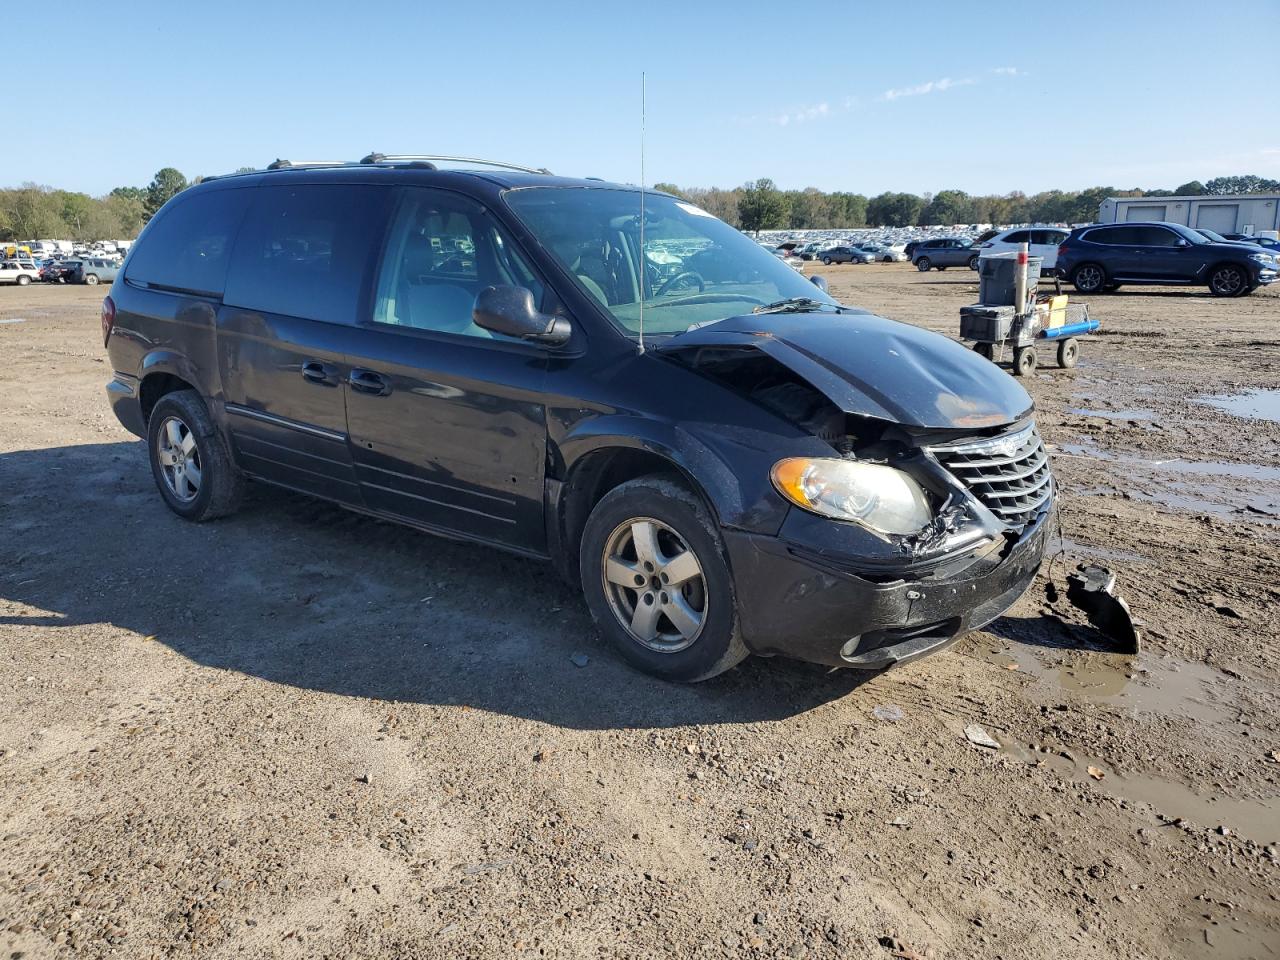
(411, 169)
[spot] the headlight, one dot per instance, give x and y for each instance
(1266, 258)
(876, 496)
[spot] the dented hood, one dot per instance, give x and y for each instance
(869, 366)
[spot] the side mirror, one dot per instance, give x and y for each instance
(1181, 242)
(819, 281)
(511, 312)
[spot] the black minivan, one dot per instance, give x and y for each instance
(723, 457)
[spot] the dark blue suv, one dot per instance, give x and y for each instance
(1104, 256)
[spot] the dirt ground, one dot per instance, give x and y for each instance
(301, 733)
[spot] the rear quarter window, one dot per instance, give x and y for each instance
(188, 246)
(307, 250)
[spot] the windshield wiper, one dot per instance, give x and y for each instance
(795, 305)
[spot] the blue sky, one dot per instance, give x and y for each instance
(984, 96)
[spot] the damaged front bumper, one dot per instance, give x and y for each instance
(796, 602)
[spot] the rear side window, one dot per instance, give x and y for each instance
(1112, 235)
(1019, 236)
(187, 248)
(306, 250)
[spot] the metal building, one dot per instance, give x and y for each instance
(1249, 213)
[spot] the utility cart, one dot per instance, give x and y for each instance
(1011, 317)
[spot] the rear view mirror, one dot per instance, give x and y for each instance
(511, 312)
(820, 282)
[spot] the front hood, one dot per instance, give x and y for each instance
(873, 367)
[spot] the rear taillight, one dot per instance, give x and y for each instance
(108, 318)
(1062, 249)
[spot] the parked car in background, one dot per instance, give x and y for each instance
(790, 259)
(1103, 257)
(885, 253)
(93, 270)
(844, 255)
(945, 252)
(51, 271)
(1262, 240)
(909, 248)
(1042, 242)
(20, 272)
(811, 250)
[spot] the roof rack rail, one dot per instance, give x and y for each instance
(290, 164)
(430, 159)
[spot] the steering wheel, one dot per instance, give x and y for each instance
(687, 275)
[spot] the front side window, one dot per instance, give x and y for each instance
(305, 250)
(1019, 236)
(1156, 237)
(694, 268)
(443, 250)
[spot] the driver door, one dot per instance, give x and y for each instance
(446, 420)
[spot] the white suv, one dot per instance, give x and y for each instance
(20, 272)
(1042, 242)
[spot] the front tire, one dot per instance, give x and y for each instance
(1068, 353)
(973, 263)
(656, 580)
(826, 261)
(1089, 278)
(1228, 280)
(23, 280)
(194, 472)
(923, 265)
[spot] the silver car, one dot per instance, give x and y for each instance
(95, 270)
(943, 253)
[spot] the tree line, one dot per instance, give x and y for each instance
(35, 212)
(32, 212)
(760, 205)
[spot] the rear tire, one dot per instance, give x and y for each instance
(681, 523)
(973, 263)
(987, 350)
(1024, 361)
(1089, 278)
(826, 261)
(923, 265)
(91, 279)
(23, 280)
(218, 484)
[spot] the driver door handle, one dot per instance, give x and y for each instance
(366, 381)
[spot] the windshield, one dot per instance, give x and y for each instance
(697, 269)
(1215, 237)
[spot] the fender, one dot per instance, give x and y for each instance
(729, 466)
(165, 360)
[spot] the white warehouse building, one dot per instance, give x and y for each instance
(1253, 214)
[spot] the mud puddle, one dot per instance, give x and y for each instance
(1228, 490)
(1253, 405)
(1075, 548)
(1136, 413)
(1141, 684)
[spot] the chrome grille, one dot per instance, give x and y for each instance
(1009, 474)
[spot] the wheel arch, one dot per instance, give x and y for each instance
(163, 372)
(594, 464)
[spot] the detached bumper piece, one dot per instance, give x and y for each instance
(798, 604)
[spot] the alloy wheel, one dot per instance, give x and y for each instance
(1228, 281)
(1089, 278)
(179, 458)
(654, 585)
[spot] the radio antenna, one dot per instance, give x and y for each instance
(643, 274)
